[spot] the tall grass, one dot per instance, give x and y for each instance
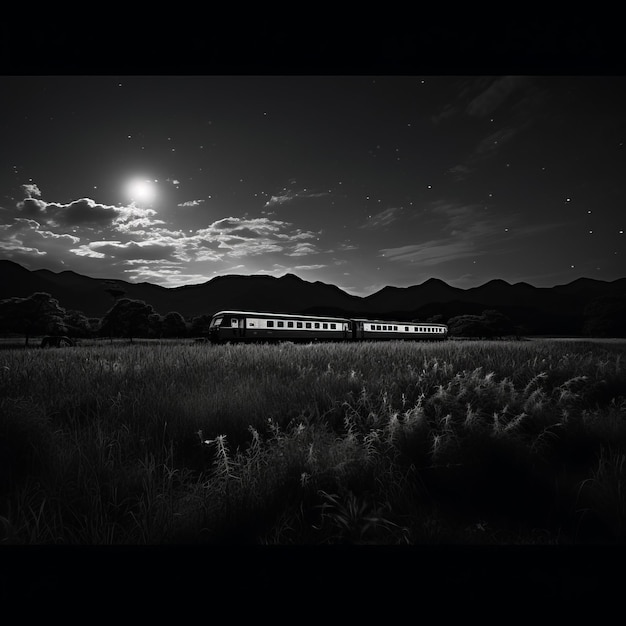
(367, 443)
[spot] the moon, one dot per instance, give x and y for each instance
(141, 190)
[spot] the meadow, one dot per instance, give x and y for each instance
(462, 442)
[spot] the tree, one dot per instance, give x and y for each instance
(200, 325)
(38, 313)
(436, 319)
(605, 317)
(77, 324)
(497, 323)
(174, 325)
(467, 326)
(490, 323)
(127, 318)
(155, 325)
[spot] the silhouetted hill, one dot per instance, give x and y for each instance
(541, 310)
(408, 298)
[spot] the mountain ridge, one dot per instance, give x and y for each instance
(561, 304)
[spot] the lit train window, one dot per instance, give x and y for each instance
(298, 324)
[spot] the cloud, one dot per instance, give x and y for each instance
(303, 249)
(129, 251)
(384, 218)
(289, 195)
(495, 95)
(460, 171)
(467, 232)
(486, 148)
(190, 203)
(256, 227)
(24, 230)
(31, 191)
(241, 237)
(165, 275)
(32, 207)
(495, 141)
(431, 252)
(84, 212)
(306, 268)
(84, 233)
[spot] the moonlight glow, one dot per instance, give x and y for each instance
(141, 190)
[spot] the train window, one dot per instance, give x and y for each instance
(378, 327)
(325, 325)
(333, 326)
(298, 324)
(270, 324)
(280, 324)
(395, 328)
(406, 328)
(289, 324)
(233, 322)
(317, 324)
(308, 324)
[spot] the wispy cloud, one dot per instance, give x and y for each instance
(384, 218)
(467, 232)
(495, 95)
(431, 252)
(289, 195)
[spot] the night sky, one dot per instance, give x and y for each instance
(360, 181)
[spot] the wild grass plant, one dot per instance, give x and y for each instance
(479, 442)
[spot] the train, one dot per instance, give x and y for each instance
(251, 326)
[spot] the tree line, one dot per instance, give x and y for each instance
(40, 313)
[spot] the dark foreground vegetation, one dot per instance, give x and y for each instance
(463, 443)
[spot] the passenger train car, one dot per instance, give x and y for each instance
(247, 326)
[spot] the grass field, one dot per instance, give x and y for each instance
(473, 442)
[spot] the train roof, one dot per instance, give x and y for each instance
(322, 317)
(367, 319)
(283, 315)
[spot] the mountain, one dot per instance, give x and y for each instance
(74, 291)
(408, 298)
(556, 309)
